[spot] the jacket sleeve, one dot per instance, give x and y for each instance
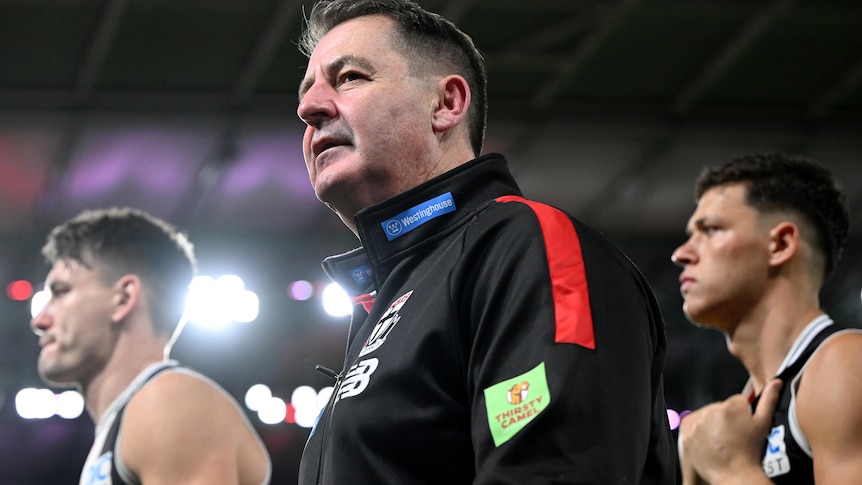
(566, 351)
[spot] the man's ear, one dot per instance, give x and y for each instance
(453, 100)
(127, 293)
(783, 242)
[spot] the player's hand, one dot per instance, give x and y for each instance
(723, 442)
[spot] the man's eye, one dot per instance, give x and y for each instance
(351, 76)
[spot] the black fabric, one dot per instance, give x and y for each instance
(801, 467)
(463, 303)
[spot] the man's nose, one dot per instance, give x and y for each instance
(683, 255)
(41, 322)
(317, 105)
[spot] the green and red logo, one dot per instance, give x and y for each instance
(513, 403)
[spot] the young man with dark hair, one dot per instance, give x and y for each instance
(767, 231)
(117, 289)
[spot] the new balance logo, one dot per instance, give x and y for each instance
(357, 378)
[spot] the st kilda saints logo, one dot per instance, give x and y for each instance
(359, 375)
(384, 325)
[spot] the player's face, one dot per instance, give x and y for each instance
(725, 260)
(74, 326)
(369, 132)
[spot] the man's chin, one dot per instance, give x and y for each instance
(336, 195)
(703, 321)
(57, 378)
(695, 318)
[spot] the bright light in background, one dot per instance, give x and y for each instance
(201, 307)
(32, 403)
(273, 411)
(20, 290)
(302, 395)
(229, 284)
(70, 404)
(38, 302)
(304, 406)
(304, 401)
(217, 302)
(256, 396)
(300, 290)
(336, 302)
(247, 307)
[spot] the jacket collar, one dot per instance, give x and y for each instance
(396, 227)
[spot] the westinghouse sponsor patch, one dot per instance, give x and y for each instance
(361, 275)
(418, 215)
(513, 403)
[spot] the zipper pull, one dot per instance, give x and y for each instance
(327, 372)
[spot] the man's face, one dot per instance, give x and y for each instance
(74, 326)
(725, 261)
(369, 133)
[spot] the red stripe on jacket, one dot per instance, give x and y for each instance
(572, 314)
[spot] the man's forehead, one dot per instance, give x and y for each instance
(721, 200)
(68, 268)
(345, 39)
(733, 194)
(734, 190)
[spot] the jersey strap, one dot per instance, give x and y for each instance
(111, 442)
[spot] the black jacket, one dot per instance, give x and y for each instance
(508, 343)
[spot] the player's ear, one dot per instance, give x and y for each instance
(451, 104)
(783, 242)
(127, 293)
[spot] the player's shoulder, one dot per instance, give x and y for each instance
(530, 218)
(838, 351)
(178, 381)
(833, 373)
(179, 393)
(827, 407)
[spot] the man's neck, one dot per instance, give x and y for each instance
(122, 368)
(762, 339)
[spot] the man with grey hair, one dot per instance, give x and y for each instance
(495, 339)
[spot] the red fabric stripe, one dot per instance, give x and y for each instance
(366, 300)
(574, 318)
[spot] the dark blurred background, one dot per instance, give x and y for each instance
(186, 109)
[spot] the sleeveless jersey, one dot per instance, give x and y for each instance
(104, 465)
(787, 458)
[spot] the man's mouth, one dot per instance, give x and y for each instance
(326, 143)
(685, 283)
